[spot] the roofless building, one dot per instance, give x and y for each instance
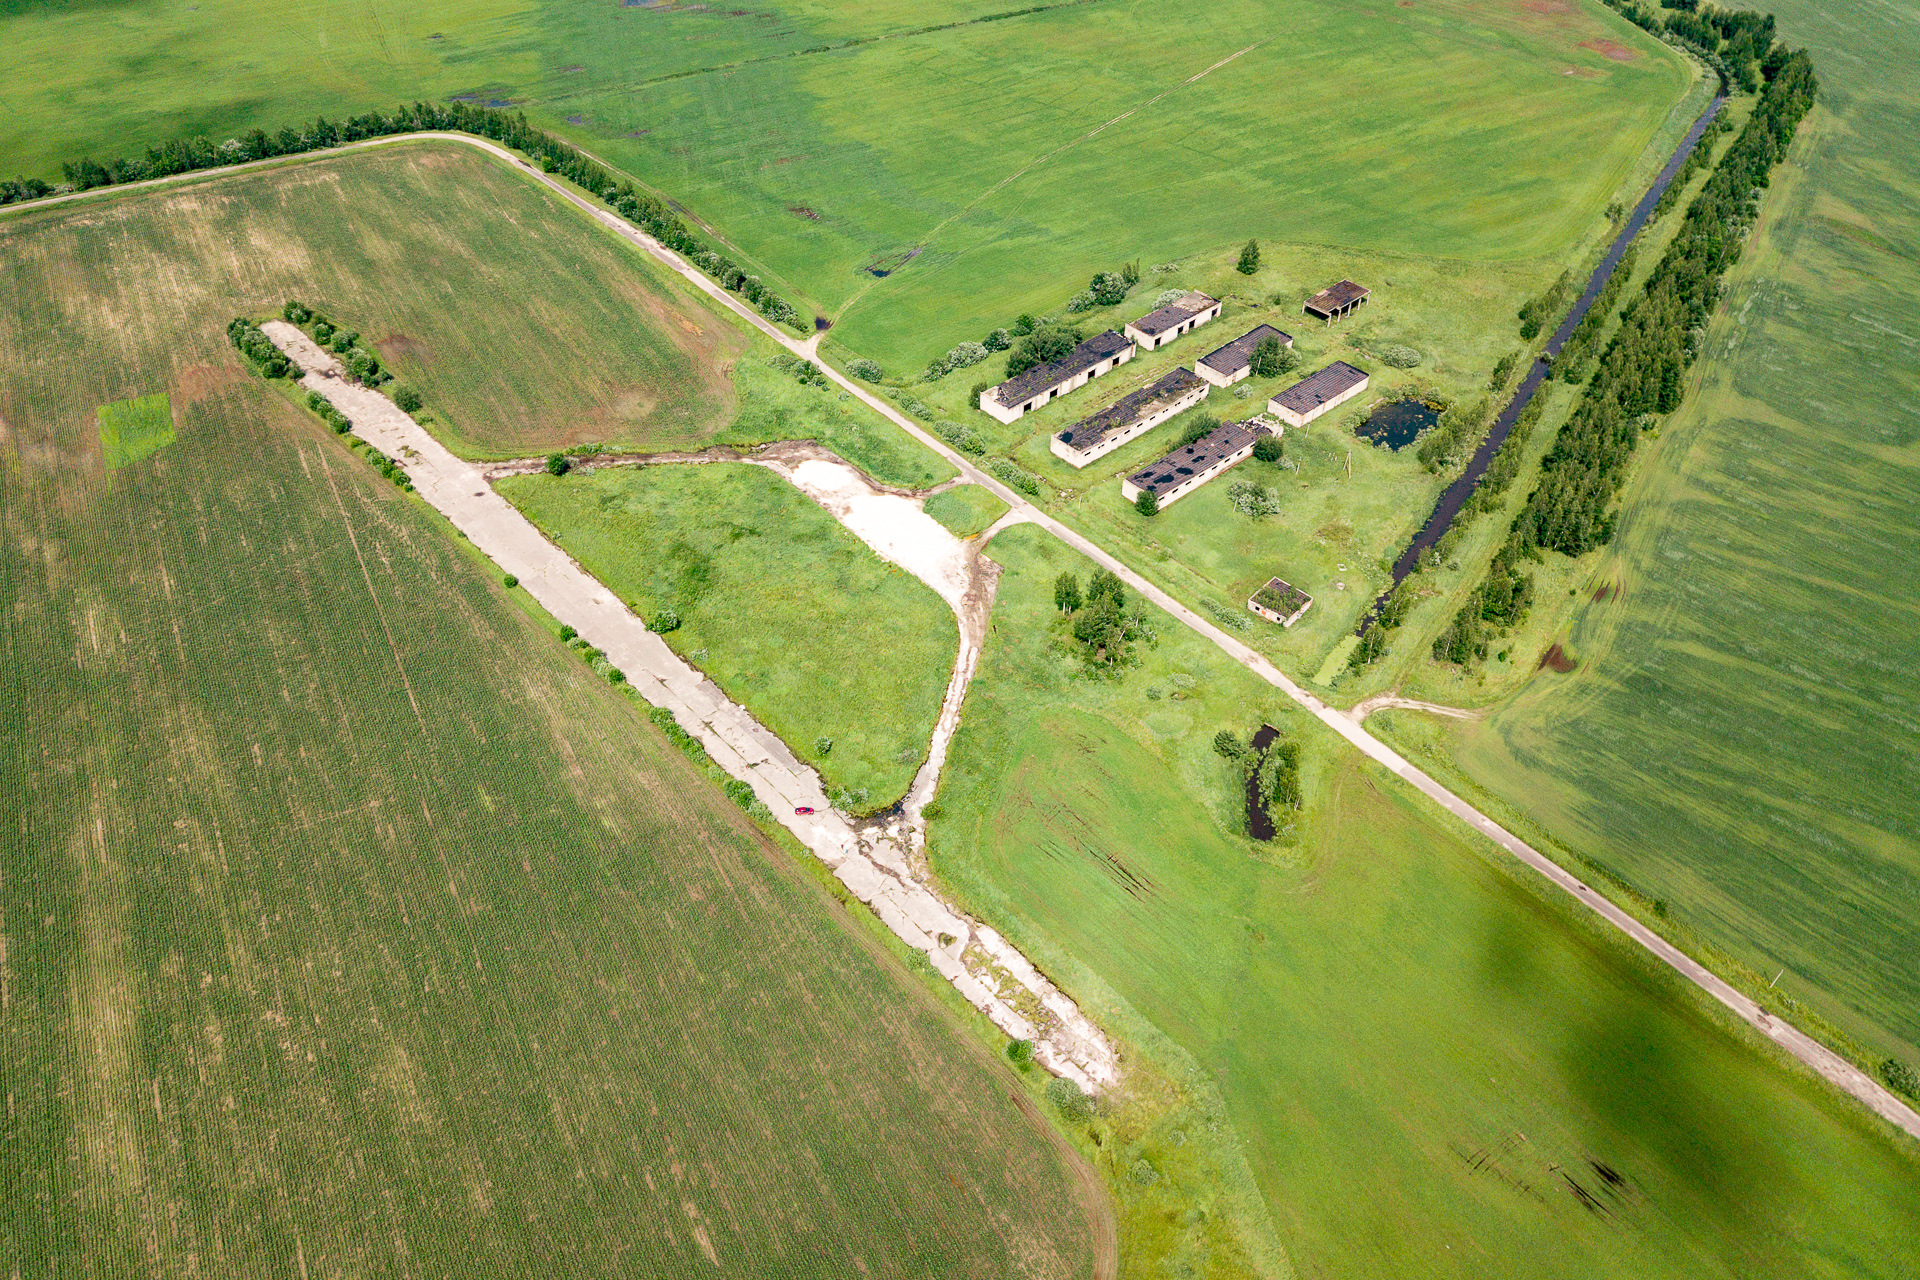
(1128, 418)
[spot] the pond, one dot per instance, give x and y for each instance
(1397, 423)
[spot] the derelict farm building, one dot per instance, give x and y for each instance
(1023, 393)
(1307, 399)
(1192, 465)
(1128, 418)
(1234, 361)
(1183, 315)
(1336, 300)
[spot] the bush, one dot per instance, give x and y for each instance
(1398, 356)
(961, 437)
(1015, 477)
(1082, 301)
(1148, 503)
(567, 633)
(1272, 358)
(294, 313)
(407, 399)
(1250, 499)
(1198, 425)
(557, 464)
(1168, 296)
(509, 581)
(966, 353)
(1227, 744)
(664, 621)
(998, 340)
(1269, 449)
(1072, 1102)
(1249, 258)
(823, 746)
(865, 370)
(1901, 1078)
(1019, 1052)
(1042, 346)
(1109, 288)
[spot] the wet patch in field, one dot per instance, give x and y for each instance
(1603, 593)
(1556, 659)
(1397, 423)
(1259, 820)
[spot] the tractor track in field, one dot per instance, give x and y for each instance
(1810, 1053)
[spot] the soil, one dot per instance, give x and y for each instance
(802, 211)
(1604, 593)
(1609, 49)
(1557, 659)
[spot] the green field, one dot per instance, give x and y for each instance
(1740, 738)
(1005, 185)
(778, 603)
(133, 429)
(965, 509)
(1421, 1054)
(347, 924)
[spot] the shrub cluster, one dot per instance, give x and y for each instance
(1400, 357)
(1254, 500)
(1377, 631)
(1455, 436)
(1106, 289)
(1104, 622)
(1737, 43)
(865, 370)
(1015, 477)
(962, 355)
(1042, 345)
(183, 155)
(258, 347)
(1536, 312)
(961, 437)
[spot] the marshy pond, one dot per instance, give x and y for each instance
(1397, 423)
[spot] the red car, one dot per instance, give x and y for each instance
(804, 809)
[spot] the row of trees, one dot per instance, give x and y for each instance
(1640, 374)
(1570, 365)
(1274, 772)
(258, 347)
(183, 155)
(1737, 43)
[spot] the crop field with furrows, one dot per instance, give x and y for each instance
(1435, 1070)
(524, 327)
(1741, 737)
(350, 927)
(780, 605)
(919, 183)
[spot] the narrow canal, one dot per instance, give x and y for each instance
(1456, 494)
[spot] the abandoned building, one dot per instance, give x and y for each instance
(1183, 315)
(1042, 384)
(1336, 301)
(1128, 418)
(1234, 361)
(1192, 465)
(1280, 602)
(1306, 400)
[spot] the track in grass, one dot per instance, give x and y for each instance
(348, 923)
(1435, 1071)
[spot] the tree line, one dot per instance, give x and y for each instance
(1642, 371)
(185, 155)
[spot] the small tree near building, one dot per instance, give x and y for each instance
(1269, 449)
(1249, 257)
(1267, 358)
(1148, 503)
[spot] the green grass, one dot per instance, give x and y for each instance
(1740, 738)
(774, 405)
(348, 924)
(132, 429)
(778, 603)
(965, 509)
(997, 189)
(1419, 1052)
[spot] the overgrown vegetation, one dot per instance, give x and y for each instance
(1042, 346)
(1104, 624)
(1642, 371)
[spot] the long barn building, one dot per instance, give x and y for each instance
(1043, 384)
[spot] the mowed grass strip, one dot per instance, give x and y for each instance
(1740, 738)
(524, 327)
(132, 429)
(349, 923)
(1435, 1071)
(785, 609)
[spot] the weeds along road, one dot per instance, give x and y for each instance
(1817, 1057)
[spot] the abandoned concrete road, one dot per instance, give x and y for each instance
(1802, 1047)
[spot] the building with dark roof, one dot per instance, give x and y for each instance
(1183, 315)
(1336, 300)
(1192, 465)
(1307, 399)
(1128, 418)
(1234, 361)
(1280, 602)
(1042, 384)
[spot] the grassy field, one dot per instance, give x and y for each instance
(965, 509)
(349, 926)
(774, 405)
(1740, 738)
(778, 603)
(1422, 1056)
(1002, 189)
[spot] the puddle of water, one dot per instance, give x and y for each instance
(1259, 821)
(1397, 423)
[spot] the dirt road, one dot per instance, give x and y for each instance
(1817, 1057)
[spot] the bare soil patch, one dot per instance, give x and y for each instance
(802, 211)
(1556, 659)
(398, 346)
(1609, 49)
